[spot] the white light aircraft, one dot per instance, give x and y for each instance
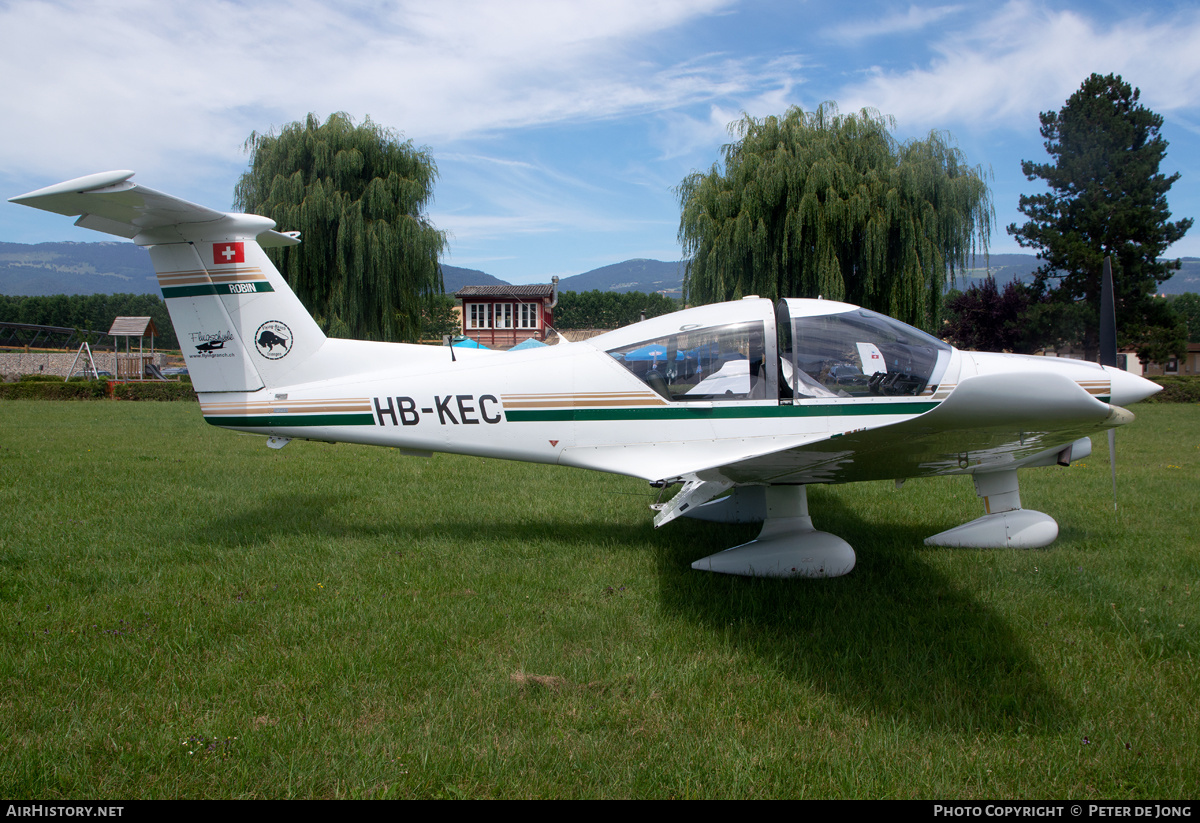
(743, 403)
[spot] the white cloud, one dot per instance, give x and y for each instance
(475, 227)
(913, 19)
(1024, 59)
(97, 84)
(643, 90)
(762, 89)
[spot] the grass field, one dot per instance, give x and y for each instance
(186, 613)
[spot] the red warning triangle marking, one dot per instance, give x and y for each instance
(553, 442)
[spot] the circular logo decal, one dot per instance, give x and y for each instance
(273, 340)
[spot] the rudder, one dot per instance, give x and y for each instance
(240, 326)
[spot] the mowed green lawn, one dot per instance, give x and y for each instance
(187, 613)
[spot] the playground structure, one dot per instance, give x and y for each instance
(68, 352)
(132, 366)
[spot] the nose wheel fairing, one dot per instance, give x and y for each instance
(1005, 525)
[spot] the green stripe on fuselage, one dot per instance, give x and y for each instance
(215, 288)
(843, 409)
(591, 414)
(278, 421)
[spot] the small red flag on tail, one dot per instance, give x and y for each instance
(229, 252)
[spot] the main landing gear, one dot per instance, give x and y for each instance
(790, 546)
(787, 546)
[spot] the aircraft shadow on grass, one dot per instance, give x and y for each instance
(897, 637)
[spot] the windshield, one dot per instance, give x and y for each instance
(858, 353)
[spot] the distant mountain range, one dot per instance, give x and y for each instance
(1007, 267)
(454, 278)
(111, 268)
(75, 268)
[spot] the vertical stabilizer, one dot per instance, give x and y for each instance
(239, 325)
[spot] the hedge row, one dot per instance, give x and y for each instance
(153, 391)
(43, 378)
(94, 390)
(58, 390)
(1176, 390)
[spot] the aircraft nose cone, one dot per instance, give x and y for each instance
(1129, 388)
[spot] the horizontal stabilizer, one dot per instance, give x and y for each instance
(111, 203)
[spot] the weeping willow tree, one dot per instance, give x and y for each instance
(368, 262)
(822, 204)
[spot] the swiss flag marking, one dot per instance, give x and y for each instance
(229, 252)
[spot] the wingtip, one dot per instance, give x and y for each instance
(90, 182)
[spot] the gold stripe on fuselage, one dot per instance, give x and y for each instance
(200, 277)
(581, 400)
(287, 407)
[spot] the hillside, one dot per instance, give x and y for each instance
(75, 268)
(454, 278)
(632, 275)
(117, 268)
(114, 268)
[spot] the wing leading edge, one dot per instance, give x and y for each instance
(989, 422)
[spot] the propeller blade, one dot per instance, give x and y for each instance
(1108, 318)
(1108, 355)
(1112, 462)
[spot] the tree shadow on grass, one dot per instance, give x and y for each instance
(895, 635)
(323, 517)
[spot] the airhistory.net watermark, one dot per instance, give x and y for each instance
(47, 810)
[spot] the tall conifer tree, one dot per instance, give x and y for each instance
(1106, 198)
(819, 203)
(357, 194)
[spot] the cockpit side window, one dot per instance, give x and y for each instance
(717, 363)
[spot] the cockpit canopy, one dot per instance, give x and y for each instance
(797, 350)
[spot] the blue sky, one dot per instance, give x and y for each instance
(560, 129)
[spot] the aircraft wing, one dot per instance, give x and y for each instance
(987, 421)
